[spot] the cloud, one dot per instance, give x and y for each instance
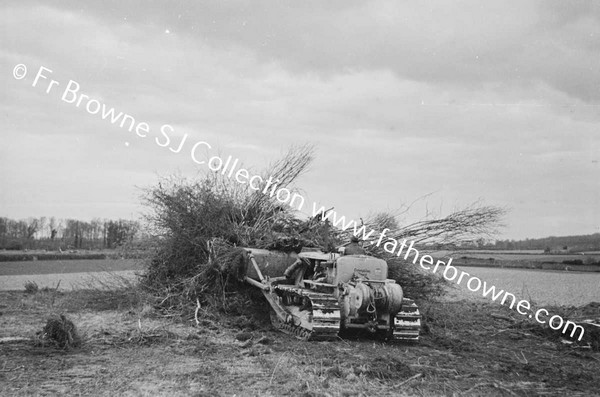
(467, 99)
(465, 44)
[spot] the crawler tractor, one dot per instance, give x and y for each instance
(329, 295)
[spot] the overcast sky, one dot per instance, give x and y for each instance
(495, 100)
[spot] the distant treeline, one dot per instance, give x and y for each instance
(564, 244)
(590, 242)
(53, 234)
(551, 245)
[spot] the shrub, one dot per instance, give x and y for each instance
(61, 332)
(31, 287)
(573, 262)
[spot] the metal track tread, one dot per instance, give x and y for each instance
(290, 329)
(407, 323)
(324, 310)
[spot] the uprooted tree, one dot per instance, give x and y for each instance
(196, 226)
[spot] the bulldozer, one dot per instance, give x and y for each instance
(322, 296)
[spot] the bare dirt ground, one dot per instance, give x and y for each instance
(130, 349)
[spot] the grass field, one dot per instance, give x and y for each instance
(502, 256)
(537, 286)
(589, 262)
(468, 348)
(67, 274)
(44, 255)
(68, 266)
(65, 281)
(532, 255)
(129, 348)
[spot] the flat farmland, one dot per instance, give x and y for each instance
(525, 255)
(70, 273)
(588, 262)
(131, 348)
(68, 266)
(543, 287)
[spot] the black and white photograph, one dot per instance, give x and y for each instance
(300, 198)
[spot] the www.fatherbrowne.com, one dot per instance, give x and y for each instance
(449, 272)
(71, 94)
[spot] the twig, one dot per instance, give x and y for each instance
(342, 339)
(476, 386)
(196, 313)
(492, 384)
(13, 339)
(274, 368)
(524, 358)
(497, 386)
(55, 292)
(409, 379)
(501, 331)
(433, 368)
(501, 317)
(164, 300)
(16, 377)
(12, 369)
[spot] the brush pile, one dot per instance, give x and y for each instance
(197, 225)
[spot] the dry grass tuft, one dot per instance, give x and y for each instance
(31, 287)
(61, 332)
